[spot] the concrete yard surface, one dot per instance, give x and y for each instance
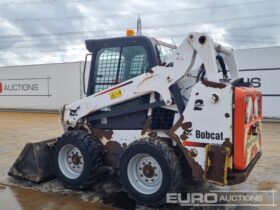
(19, 128)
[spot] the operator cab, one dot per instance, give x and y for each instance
(116, 60)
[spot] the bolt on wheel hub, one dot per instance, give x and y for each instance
(144, 173)
(148, 171)
(71, 161)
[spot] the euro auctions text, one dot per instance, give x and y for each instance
(223, 198)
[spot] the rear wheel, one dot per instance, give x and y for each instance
(149, 169)
(77, 156)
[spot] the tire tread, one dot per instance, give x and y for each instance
(169, 154)
(95, 148)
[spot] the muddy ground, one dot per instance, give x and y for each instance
(16, 129)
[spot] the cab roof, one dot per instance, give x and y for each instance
(94, 44)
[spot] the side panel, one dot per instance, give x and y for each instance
(247, 126)
(207, 119)
(116, 141)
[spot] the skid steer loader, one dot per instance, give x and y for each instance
(157, 117)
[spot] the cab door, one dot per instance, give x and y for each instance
(114, 65)
(117, 64)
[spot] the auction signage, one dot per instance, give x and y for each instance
(266, 79)
(25, 87)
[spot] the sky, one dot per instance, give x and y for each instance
(54, 31)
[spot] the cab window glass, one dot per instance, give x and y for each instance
(134, 63)
(106, 68)
(115, 65)
(164, 52)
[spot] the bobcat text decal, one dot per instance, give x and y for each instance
(209, 135)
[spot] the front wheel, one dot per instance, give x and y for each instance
(77, 156)
(149, 169)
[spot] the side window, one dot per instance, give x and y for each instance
(135, 62)
(164, 52)
(118, 64)
(106, 68)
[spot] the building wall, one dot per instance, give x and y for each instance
(50, 86)
(39, 87)
(262, 67)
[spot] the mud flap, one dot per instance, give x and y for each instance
(217, 163)
(34, 162)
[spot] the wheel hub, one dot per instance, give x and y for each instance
(144, 173)
(148, 171)
(76, 159)
(71, 161)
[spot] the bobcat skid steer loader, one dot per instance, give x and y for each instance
(156, 117)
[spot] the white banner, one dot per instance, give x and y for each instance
(40, 87)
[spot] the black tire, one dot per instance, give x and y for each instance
(166, 159)
(92, 153)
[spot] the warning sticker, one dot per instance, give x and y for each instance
(115, 94)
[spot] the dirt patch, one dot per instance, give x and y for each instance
(120, 200)
(22, 199)
(19, 128)
(268, 185)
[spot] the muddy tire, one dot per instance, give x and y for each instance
(149, 169)
(77, 156)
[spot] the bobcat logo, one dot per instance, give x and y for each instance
(187, 130)
(198, 105)
(73, 112)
